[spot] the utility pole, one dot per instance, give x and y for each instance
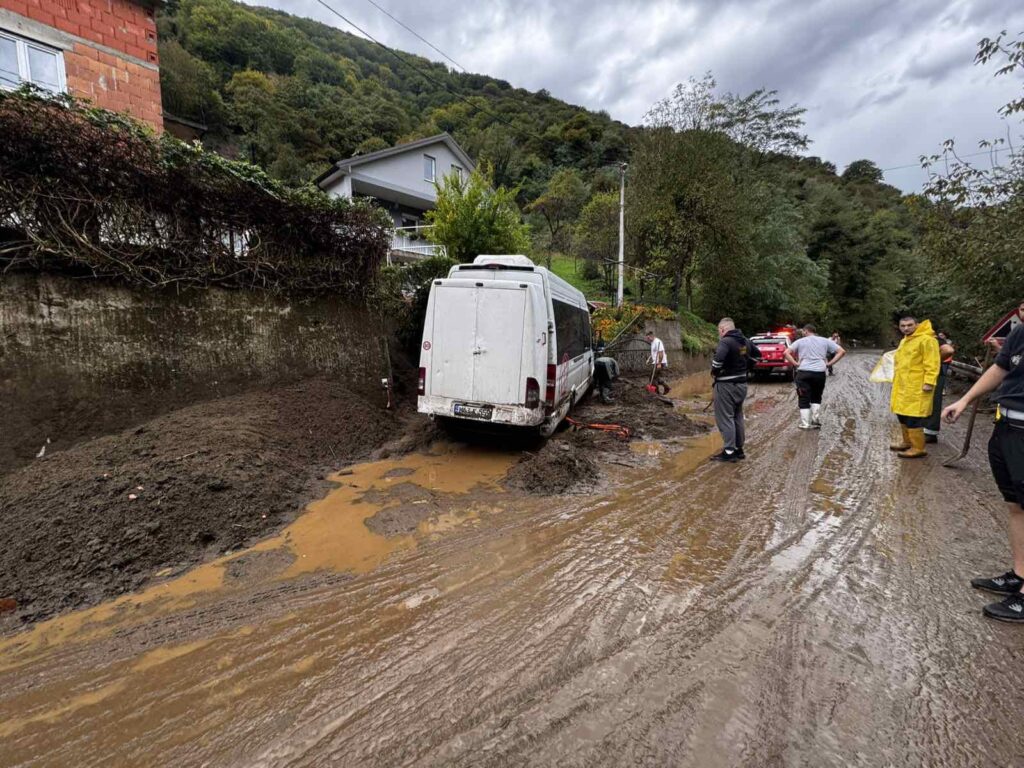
(622, 232)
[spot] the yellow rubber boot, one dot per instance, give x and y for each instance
(916, 450)
(904, 444)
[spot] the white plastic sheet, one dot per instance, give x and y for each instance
(884, 368)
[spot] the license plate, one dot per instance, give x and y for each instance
(473, 411)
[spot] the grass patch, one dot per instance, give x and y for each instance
(699, 336)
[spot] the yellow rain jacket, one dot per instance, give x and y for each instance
(916, 364)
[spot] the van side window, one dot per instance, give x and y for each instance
(572, 330)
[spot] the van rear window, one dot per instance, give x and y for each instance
(572, 330)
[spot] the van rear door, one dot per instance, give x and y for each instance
(498, 355)
(478, 342)
(454, 337)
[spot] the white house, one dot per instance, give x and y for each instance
(401, 179)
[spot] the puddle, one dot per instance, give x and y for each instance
(12, 725)
(696, 451)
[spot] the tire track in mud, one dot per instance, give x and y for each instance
(804, 607)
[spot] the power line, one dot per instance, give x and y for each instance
(918, 164)
(414, 32)
(429, 77)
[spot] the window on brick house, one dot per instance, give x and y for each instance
(25, 61)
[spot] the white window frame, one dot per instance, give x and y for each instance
(22, 46)
(433, 168)
(457, 170)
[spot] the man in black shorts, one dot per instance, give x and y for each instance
(1006, 457)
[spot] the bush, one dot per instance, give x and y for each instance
(90, 192)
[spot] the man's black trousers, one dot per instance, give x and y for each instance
(809, 387)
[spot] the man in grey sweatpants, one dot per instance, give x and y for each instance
(729, 369)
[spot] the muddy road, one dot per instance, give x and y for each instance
(809, 606)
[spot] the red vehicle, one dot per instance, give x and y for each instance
(773, 347)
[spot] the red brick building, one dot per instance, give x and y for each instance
(102, 50)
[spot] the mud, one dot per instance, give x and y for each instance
(575, 460)
(100, 518)
(809, 607)
(561, 466)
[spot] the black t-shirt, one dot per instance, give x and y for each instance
(1011, 359)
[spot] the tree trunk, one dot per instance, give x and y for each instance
(677, 279)
(689, 291)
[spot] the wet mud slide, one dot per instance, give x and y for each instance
(808, 607)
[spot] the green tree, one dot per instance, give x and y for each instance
(973, 217)
(596, 236)
(472, 217)
(561, 203)
(860, 171)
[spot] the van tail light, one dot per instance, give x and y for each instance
(532, 393)
(421, 383)
(549, 390)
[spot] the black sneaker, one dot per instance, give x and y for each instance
(739, 454)
(1006, 584)
(731, 457)
(1010, 609)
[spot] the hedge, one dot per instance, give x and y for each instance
(93, 193)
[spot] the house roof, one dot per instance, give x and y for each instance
(345, 166)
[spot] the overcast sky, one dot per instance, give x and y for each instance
(887, 80)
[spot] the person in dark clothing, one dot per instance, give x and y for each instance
(1006, 458)
(606, 370)
(946, 352)
(729, 368)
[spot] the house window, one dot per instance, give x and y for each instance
(429, 168)
(457, 172)
(22, 61)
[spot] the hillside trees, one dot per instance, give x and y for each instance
(973, 222)
(332, 91)
(560, 204)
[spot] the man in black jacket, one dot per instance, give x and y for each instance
(729, 369)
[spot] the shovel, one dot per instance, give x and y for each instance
(970, 422)
(650, 385)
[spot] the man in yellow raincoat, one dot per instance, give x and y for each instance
(915, 373)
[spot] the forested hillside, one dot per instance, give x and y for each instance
(292, 95)
(727, 211)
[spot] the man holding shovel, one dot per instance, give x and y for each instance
(660, 362)
(1006, 458)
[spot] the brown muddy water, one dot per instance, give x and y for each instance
(808, 606)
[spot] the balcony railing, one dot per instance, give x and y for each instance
(410, 244)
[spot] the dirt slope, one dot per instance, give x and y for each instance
(100, 518)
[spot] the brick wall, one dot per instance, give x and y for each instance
(109, 47)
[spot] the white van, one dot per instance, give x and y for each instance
(505, 342)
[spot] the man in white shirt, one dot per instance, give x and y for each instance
(810, 355)
(659, 360)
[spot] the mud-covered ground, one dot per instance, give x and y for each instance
(808, 607)
(111, 514)
(101, 518)
(597, 436)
